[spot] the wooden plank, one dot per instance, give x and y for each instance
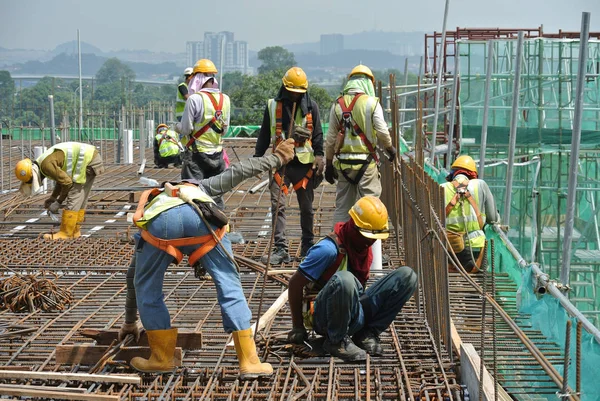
(456, 340)
(185, 339)
(469, 370)
(89, 354)
(112, 378)
(46, 388)
(61, 395)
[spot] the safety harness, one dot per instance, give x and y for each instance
(348, 123)
(171, 246)
(211, 124)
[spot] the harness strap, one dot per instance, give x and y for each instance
(280, 182)
(469, 197)
(218, 112)
(279, 126)
(304, 181)
(334, 266)
(346, 114)
(361, 172)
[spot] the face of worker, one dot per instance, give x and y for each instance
(294, 96)
(188, 78)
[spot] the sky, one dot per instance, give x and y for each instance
(165, 25)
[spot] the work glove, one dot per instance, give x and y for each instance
(48, 202)
(285, 151)
(391, 151)
(319, 164)
(330, 174)
(129, 328)
(297, 335)
(54, 207)
(301, 134)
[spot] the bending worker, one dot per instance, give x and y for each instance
(305, 172)
(73, 166)
(172, 227)
(337, 269)
(166, 147)
(356, 123)
(182, 93)
(469, 205)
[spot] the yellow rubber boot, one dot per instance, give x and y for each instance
(162, 352)
(67, 226)
(250, 365)
(80, 219)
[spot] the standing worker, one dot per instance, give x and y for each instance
(166, 147)
(336, 270)
(182, 93)
(305, 172)
(73, 166)
(205, 120)
(466, 197)
(356, 123)
(186, 221)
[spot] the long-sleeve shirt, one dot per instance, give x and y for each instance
(51, 167)
(193, 112)
(379, 125)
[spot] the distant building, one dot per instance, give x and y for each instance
(214, 44)
(332, 43)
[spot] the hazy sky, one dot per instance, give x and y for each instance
(167, 24)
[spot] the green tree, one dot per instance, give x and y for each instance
(113, 70)
(7, 93)
(323, 99)
(275, 58)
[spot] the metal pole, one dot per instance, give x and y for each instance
(403, 101)
(575, 142)
(436, 97)
(221, 66)
(52, 124)
(453, 103)
(80, 87)
(486, 107)
(514, 118)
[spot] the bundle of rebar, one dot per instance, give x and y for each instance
(27, 293)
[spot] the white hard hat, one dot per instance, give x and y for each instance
(188, 71)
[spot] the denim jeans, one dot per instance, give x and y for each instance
(152, 263)
(343, 308)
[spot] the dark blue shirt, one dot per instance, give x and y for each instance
(318, 259)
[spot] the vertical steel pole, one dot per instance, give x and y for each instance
(453, 103)
(575, 142)
(52, 123)
(514, 118)
(486, 107)
(80, 88)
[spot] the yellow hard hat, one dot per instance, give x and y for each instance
(23, 170)
(161, 126)
(465, 162)
(205, 66)
(371, 217)
(295, 80)
(364, 70)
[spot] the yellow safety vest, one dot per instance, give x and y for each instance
(77, 157)
(167, 145)
(180, 102)
(304, 153)
(463, 218)
(211, 141)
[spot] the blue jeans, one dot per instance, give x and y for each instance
(152, 263)
(343, 308)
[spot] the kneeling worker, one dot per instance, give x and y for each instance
(73, 166)
(337, 269)
(171, 226)
(167, 148)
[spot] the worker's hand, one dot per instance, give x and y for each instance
(319, 164)
(297, 335)
(129, 328)
(391, 151)
(285, 151)
(48, 202)
(54, 207)
(330, 173)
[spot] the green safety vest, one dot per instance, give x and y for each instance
(304, 153)
(353, 147)
(463, 218)
(77, 157)
(163, 202)
(211, 141)
(167, 145)
(180, 102)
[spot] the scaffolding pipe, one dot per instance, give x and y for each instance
(453, 104)
(486, 107)
(80, 88)
(514, 118)
(52, 123)
(575, 143)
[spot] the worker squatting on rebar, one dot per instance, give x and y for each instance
(167, 148)
(327, 293)
(73, 166)
(186, 221)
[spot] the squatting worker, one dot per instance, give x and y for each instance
(170, 228)
(73, 166)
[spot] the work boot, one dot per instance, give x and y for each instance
(345, 350)
(280, 255)
(162, 352)
(80, 219)
(368, 341)
(250, 365)
(67, 226)
(305, 248)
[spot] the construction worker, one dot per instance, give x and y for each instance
(205, 120)
(188, 222)
(469, 205)
(305, 172)
(166, 147)
(330, 284)
(356, 123)
(183, 93)
(73, 166)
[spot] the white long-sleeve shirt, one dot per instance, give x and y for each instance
(194, 112)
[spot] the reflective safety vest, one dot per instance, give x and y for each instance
(168, 143)
(304, 151)
(462, 210)
(155, 201)
(209, 131)
(77, 157)
(180, 102)
(357, 136)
